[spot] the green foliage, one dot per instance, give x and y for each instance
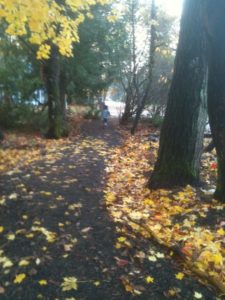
(22, 116)
(156, 120)
(19, 74)
(95, 64)
(93, 113)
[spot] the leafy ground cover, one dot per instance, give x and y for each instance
(187, 222)
(77, 222)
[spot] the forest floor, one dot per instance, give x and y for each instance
(66, 234)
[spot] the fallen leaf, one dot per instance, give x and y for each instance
(121, 262)
(97, 283)
(24, 263)
(87, 229)
(42, 282)
(11, 236)
(149, 279)
(19, 278)
(69, 283)
(197, 295)
(179, 276)
(152, 258)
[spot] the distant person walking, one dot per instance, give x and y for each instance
(105, 115)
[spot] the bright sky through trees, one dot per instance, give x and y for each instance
(172, 7)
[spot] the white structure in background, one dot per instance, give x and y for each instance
(115, 107)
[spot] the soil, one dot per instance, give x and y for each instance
(84, 245)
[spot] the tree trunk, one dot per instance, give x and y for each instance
(215, 24)
(127, 114)
(202, 119)
(62, 92)
(1, 136)
(52, 73)
(177, 163)
(142, 101)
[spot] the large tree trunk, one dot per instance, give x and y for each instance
(177, 158)
(52, 74)
(215, 26)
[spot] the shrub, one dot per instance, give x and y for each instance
(93, 113)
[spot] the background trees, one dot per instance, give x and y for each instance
(149, 42)
(53, 27)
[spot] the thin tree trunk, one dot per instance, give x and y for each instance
(215, 24)
(142, 101)
(1, 136)
(131, 91)
(178, 157)
(62, 92)
(127, 111)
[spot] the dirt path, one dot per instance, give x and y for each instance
(55, 226)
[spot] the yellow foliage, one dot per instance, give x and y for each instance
(46, 20)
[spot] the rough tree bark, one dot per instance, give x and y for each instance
(127, 114)
(215, 24)
(178, 158)
(51, 71)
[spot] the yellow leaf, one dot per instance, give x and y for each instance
(45, 193)
(30, 235)
(7, 263)
(19, 278)
(180, 276)
(11, 236)
(218, 259)
(42, 282)
(221, 231)
(110, 197)
(118, 246)
(69, 283)
(198, 295)
(24, 263)
(59, 198)
(121, 239)
(136, 215)
(149, 279)
(152, 258)
(160, 255)
(97, 283)
(1, 229)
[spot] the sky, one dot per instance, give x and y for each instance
(173, 7)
